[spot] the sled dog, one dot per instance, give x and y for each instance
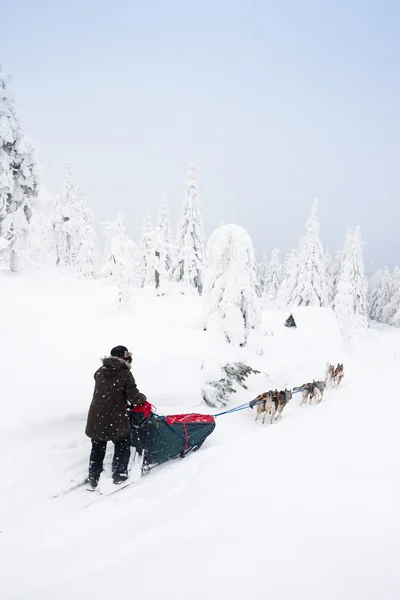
(305, 392)
(329, 373)
(317, 390)
(273, 403)
(339, 374)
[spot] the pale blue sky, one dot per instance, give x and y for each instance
(279, 101)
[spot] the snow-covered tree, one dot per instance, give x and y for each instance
(190, 238)
(87, 258)
(273, 281)
(330, 276)
(344, 306)
(289, 267)
(230, 298)
(39, 241)
(63, 210)
(118, 256)
(392, 307)
(233, 376)
(144, 267)
(72, 221)
(360, 284)
(19, 186)
(165, 234)
(156, 272)
(261, 271)
(379, 295)
(374, 301)
(350, 303)
(308, 282)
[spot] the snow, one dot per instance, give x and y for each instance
(231, 306)
(304, 509)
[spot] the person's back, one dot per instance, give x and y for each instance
(115, 390)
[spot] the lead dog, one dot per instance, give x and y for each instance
(339, 374)
(329, 373)
(334, 375)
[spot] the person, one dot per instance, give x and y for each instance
(115, 391)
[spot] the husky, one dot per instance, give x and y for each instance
(338, 375)
(312, 390)
(280, 400)
(329, 374)
(273, 403)
(317, 390)
(263, 404)
(305, 392)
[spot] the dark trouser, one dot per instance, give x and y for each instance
(120, 461)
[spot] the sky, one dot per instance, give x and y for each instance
(279, 102)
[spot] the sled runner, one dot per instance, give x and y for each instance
(163, 438)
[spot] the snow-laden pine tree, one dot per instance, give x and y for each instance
(336, 266)
(20, 223)
(261, 272)
(230, 298)
(273, 281)
(360, 284)
(330, 276)
(144, 263)
(72, 221)
(374, 303)
(308, 282)
(190, 238)
(63, 211)
(164, 232)
(39, 241)
(156, 272)
(118, 261)
(393, 306)
(343, 304)
(379, 295)
(350, 302)
(86, 260)
(289, 267)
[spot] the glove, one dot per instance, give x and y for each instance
(140, 399)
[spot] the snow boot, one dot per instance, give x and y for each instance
(91, 483)
(119, 478)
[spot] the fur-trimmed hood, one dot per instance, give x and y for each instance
(112, 365)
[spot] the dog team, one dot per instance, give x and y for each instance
(273, 402)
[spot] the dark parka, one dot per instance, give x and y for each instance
(115, 388)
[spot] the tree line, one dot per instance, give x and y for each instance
(225, 271)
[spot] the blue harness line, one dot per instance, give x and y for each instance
(247, 405)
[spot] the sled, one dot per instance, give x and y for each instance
(160, 438)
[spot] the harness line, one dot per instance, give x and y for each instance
(247, 405)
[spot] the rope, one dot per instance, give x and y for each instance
(246, 405)
(235, 409)
(231, 410)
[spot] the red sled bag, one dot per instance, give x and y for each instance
(144, 409)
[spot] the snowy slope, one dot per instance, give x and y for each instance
(306, 508)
